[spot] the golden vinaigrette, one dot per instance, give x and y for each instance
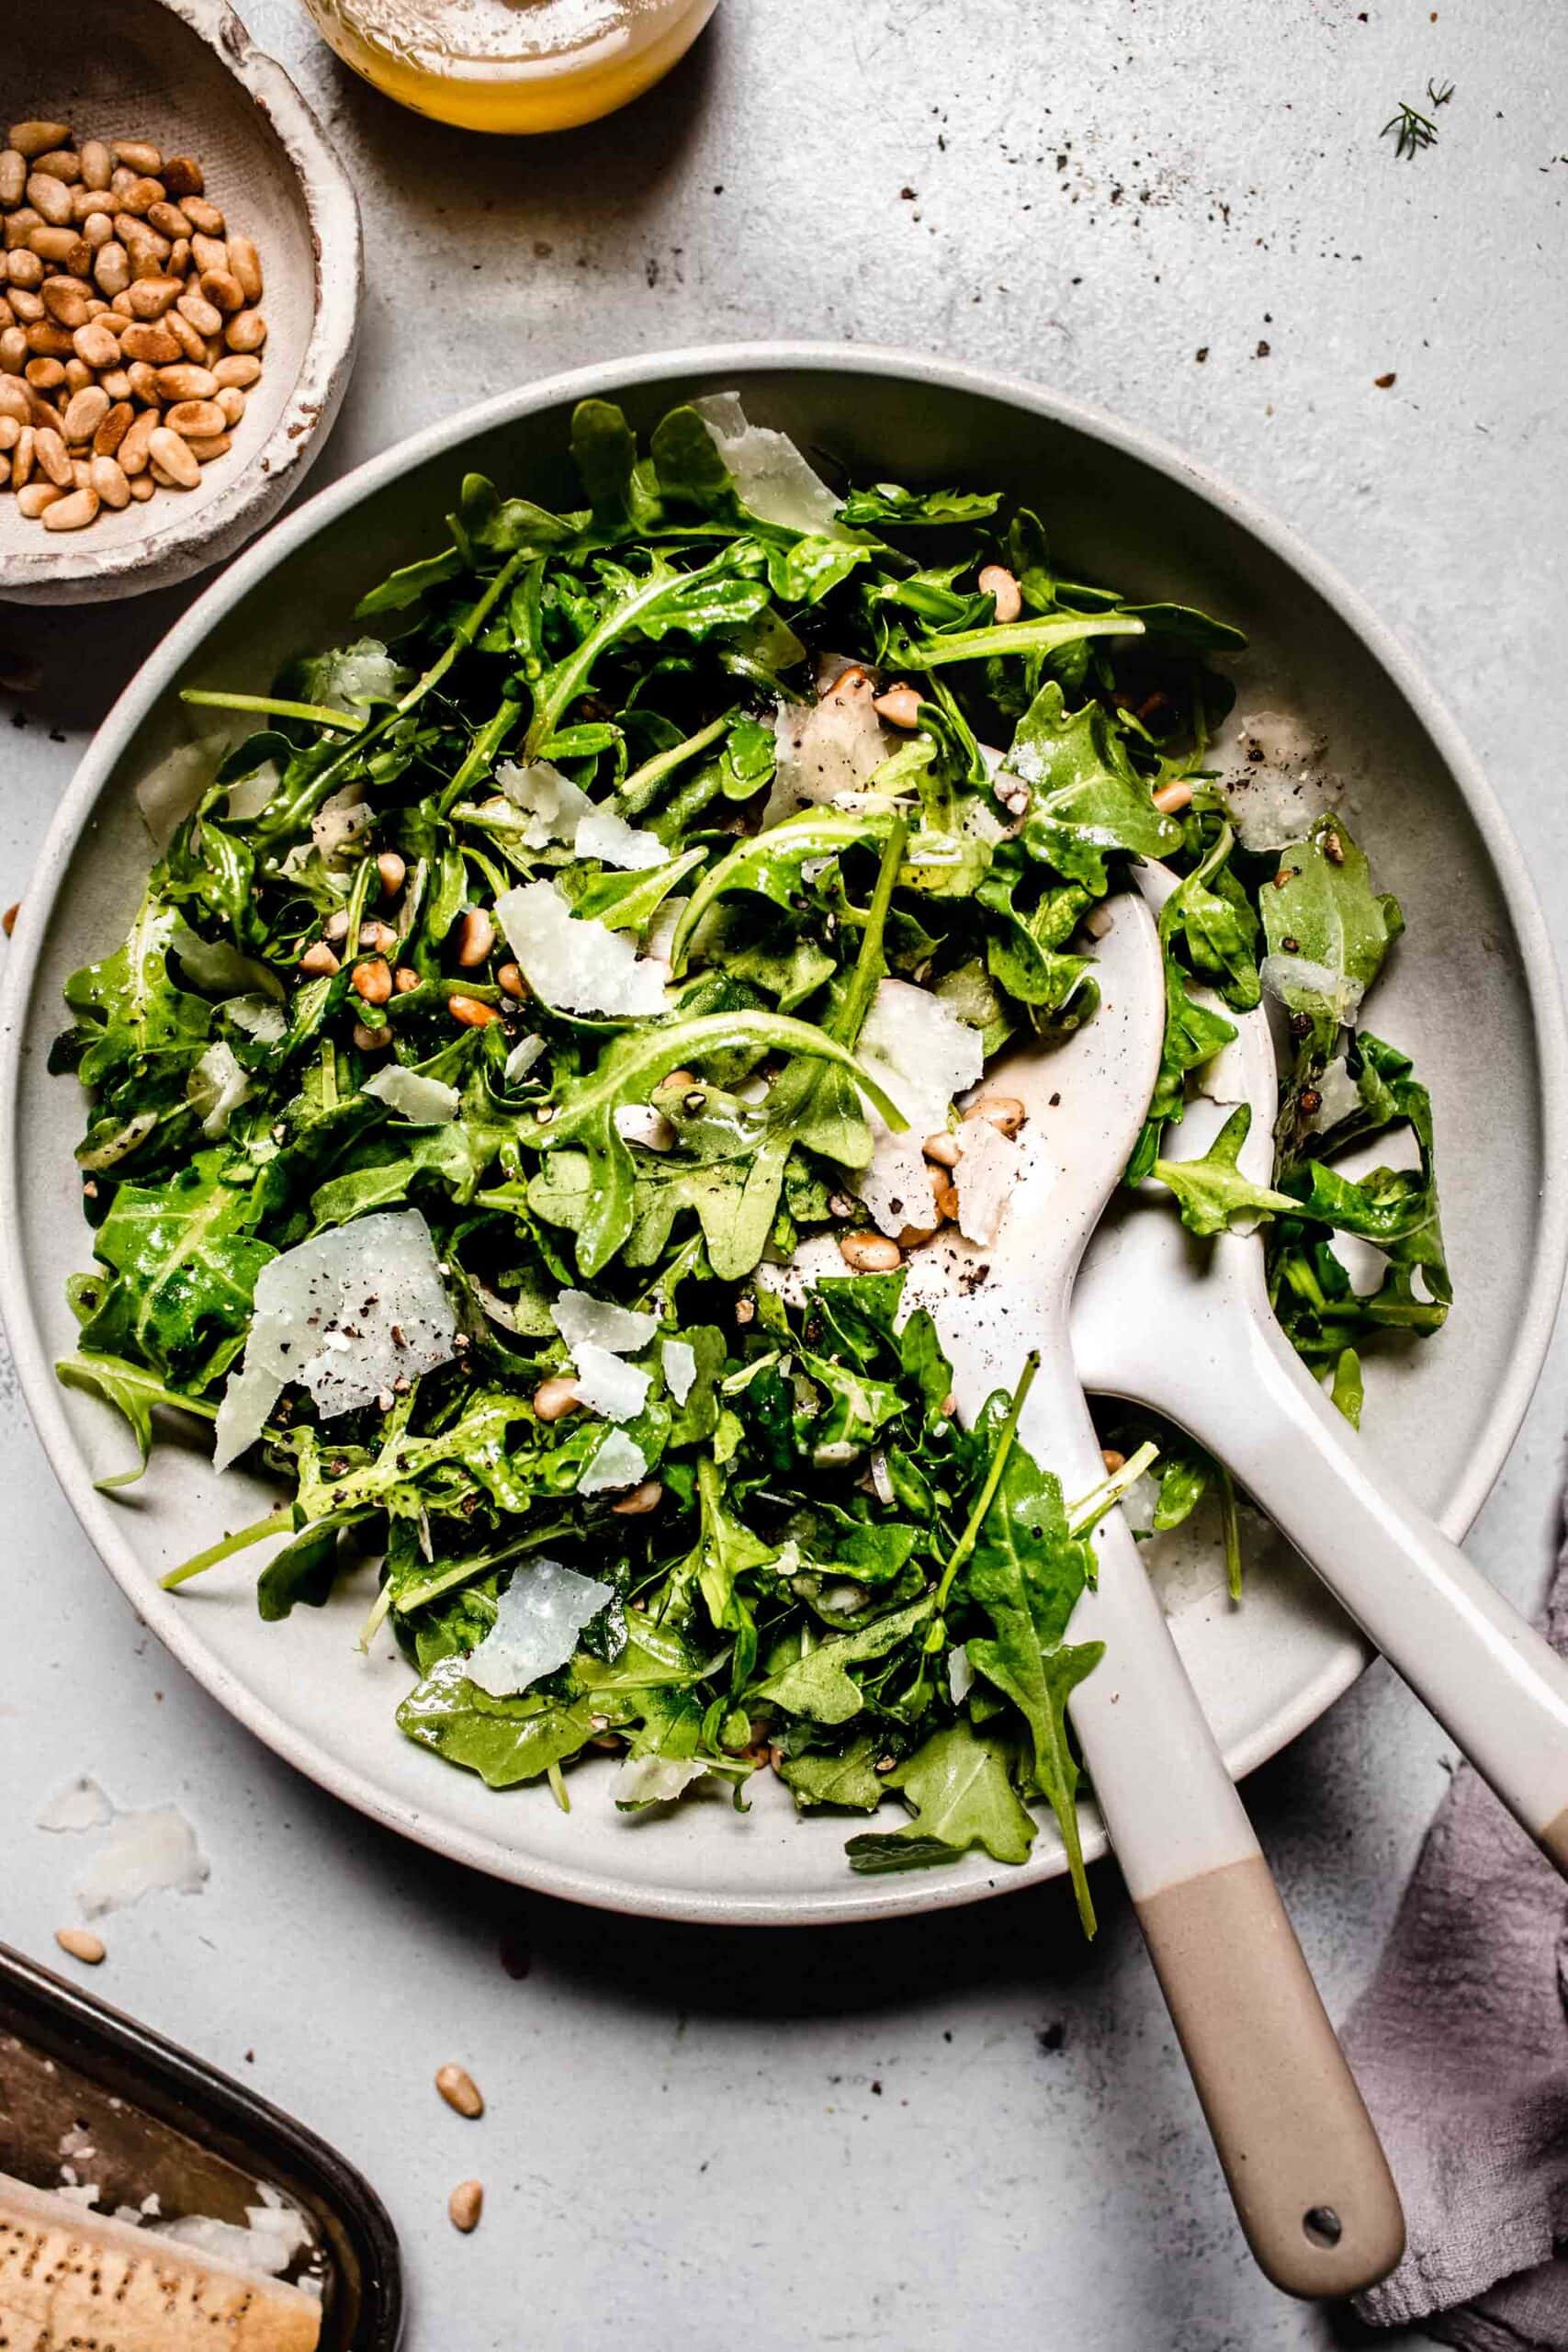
(512, 65)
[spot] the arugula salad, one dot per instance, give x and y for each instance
(643, 889)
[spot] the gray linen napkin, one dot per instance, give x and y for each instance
(1460, 2047)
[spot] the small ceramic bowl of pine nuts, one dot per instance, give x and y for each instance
(179, 288)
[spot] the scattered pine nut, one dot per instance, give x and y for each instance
(552, 1399)
(82, 1944)
(1113, 1460)
(1004, 1112)
(1172, 797)
(371, 1041)
(475, 937)
(870, 1253)
(9, 919)
(943, 1147)
(997, 581)
(641, 1500)
(392, 871)
(372, 980)
(318, 960)
(471, 1010)
(510, 980)
(900, 706)
(459, 2090)
(466, 2204)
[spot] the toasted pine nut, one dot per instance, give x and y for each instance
(86, 413)
(65, 300)
(26, 268)
(194, 420)
(9, 919)
(1004, 1112)
(1113, 1460)
(111, 268)
(150, 340)
(72, 514)
(37, 498)
(223, 290)
(60, 163)
(136, 443)
(471, 1010)
(204, 447)
(459, 2090)
(246, 331)
(336, 925)
(642, 1500)
(238, 369)
(466, 2204)
(379, 935)
(49, 199)
(943, 1147)
(475, 937)
(51, 457)
(35, 137)
(371, 1041)
(23, 455)
(556, 1396)
(97, 229)
(1171, 798)
(97, 345)
(870, 1253)
(180, 175)
(168, 219)
(204, 216)
(372, 980)
(900, 706)
(116, 423)
(82, 1944)
(997, 581)
(136, 155)
(244, 264)
(13, 178)
(13, 350)
(96, 163)
(16, 401)
(392, 871)
(141, 488)
(232, 401)
(140, 198)
(166, 449)
(405, 979)
(318, 958)
(109, 482)
(1097, 922)
(207, 253)
(151, 297)
(56, 248)
(945, 1195)
(10, 433)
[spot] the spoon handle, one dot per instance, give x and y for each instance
(1495, 1684)
(1312, 2186)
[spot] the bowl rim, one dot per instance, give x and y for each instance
(70, 570)
(860, 1899)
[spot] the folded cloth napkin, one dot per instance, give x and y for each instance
(1460, 2047)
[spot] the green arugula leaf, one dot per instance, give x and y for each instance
(960, 1786)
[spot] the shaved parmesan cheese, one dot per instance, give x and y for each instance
(145, 1853)
(522, 1058)
(619, 1329)
(640, 1123)
(80, 1804)
(1281, 785)
(618, 1462)
(553, 804)
(1339, 1096)
(559, 811)
(605, 1384)
(258, 1016)
(538, 1621)
(680, 1362)
(772, 479)
(359, 674)
(1295, 978)
(340, 820)
(216, 1087)
(660, 938)
(826, 749)
(254, 793)
(424, 1102)
(655, 1780)
(604, 834)
(896, 1183)
(168, 792)
(987, 1171)
(960, 1675)
(347, 1315)
(574, 963)
(920, 1050)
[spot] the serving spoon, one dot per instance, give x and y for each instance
(1186, 1326)
(1312, 2187)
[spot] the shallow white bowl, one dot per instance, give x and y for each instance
(1471, 993)
(187, 75)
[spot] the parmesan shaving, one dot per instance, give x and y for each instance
(80, 1804)
(258, 1016)
(603, 834)
(825, 748)
(923, 1055)
(253, 792)
(1303, 984)
(347, 1315)
(772, 479)
(680, 1362)
(605, 1384)
(618, 1462)
(655, 1780)
(153, 1852)
(621, 1331)
(359, 674)
(640, 1123)
(216, 1087)
(522, 1058)
(1339, 1097)
(424, 1102)
(1280, 786)
(575, 963)
(538, 1621)
(960, 1675)
(340, 820)
(987, 1173)
(168, 792)
(559, 811)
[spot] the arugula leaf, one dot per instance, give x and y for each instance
(1327, 930)
(1212, 1190)
(960, 1787)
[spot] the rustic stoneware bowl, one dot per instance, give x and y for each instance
(1470, 991)
(184, 73)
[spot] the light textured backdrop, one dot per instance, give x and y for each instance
(967, 2128)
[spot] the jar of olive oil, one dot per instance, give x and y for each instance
(512, 65)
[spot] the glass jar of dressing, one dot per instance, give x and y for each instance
(512, 65)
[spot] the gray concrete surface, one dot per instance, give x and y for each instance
(970, 2128)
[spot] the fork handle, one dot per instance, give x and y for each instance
(1494, 1683)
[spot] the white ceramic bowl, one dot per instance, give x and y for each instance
(1470, 991)
(185, 75)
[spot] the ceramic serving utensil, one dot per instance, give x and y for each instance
(1311, 2185)
(1186, 1326)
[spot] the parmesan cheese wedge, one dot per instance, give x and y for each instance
(77, 2278)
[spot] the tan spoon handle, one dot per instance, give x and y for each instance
(1309, 2179)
